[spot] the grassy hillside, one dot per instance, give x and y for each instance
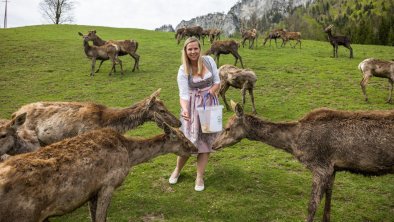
(249, 181)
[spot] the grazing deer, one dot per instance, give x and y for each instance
(244, 79)
(214, 35)
(103, 52)
(274, 34)
(60, 178)
(225, 47)
(190, 31)
(50, 122)
(379, 68)
(251, 36)
(126, 47)
(325, 141)
(336, 41)
(287, 36)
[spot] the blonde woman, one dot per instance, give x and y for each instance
(197, 78)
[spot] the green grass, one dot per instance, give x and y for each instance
(249, 181)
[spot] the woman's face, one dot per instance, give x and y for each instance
(193, 51)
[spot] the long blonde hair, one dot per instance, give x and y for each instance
(186, 61)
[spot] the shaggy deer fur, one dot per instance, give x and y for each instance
(189, 32)
(251, 36)
(60, 178)
(126, 47)
(49, 122)
(336, 41)
(379, 68)
(244, 79)
(325, 141)
(103, 53)
(287, 36)
(225, 47)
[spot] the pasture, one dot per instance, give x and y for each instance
(249, 181)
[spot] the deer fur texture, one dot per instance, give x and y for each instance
(244, 79)
(325, 141)
(49, 122)
(225, 47)
(60, 178)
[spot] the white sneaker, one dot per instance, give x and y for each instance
(173, 180)
(199, 188)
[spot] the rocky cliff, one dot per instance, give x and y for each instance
(245, 10)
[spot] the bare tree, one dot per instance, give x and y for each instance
(57, 11)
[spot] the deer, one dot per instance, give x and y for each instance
(103, 53)
(50, 122)
(251, 36)
(225, 47)
(274, 34)
(244, 79)
(336, 41)
(88, 168)
(214, 35)
(379, 68)
(126, 47)
(287, 36)
(191, 31)
(326, 141)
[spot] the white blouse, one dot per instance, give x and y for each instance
(182, 79)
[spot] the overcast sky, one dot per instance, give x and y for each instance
(145, 14)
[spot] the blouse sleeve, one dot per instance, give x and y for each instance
(183, 84)
(216, 78)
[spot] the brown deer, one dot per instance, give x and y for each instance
(126, 47)
(244, 79)
(225, 47)
(103, 53)
(214, 35)
(60, 178)
(336, 41)
(251, 36)
(287, 36)
(49, 122)
(325, 141)
(274, 34)
(379, 68)
(191, 31)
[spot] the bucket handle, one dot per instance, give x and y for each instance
(205, 97)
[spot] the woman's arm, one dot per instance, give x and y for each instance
(185, 109)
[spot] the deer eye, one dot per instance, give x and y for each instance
(2, 136)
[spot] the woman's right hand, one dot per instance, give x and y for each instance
(185, 115)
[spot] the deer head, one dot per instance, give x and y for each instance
(154, 105)
(234, 131)
(8, 133)
(328, 28)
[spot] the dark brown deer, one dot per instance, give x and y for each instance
(103, 53)
(244, 79)
(126, 47)
(60, 178)
(214, 35)
(251, 36)
(274, 34)
(325, 141)
(191, 31)
(225, 47)
(379, 68)
(336, 41)
(49, 122)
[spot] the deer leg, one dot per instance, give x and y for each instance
(320, 180)
(243, 91)
(252, 99)
(327, 205)
(351, 51)
(222, 93)
(363, 85)
(93, 207)
(336, 51)
(103, 201)
(390, 90)
(93, 64)
(237, 56)
(99, 66)
(121, 65)
(136, 58)
(243, 43)
(217, 58)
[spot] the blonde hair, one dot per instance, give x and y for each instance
(186, 61)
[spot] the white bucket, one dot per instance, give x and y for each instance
(210, 118)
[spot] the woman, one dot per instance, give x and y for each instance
(197, 77)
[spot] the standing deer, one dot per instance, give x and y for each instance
(287, 36)
(244, 79)
(126, 47)
(379, 68)
(251, 36)
(336, 41)
(103, 53)
(274, 34)
(225, 47)
(325, 141)
(60, 178)
(49, 122)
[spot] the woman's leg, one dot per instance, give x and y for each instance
(180, 163)
(202, 161)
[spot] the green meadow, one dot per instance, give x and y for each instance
(249, 181)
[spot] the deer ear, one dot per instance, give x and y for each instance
(153, 97)
(79, 33)
(237, 108)
(18, 121)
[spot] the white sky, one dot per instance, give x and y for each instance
(145, 14)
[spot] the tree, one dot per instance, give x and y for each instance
(57, 11)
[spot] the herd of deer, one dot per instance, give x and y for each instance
(56, 156)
